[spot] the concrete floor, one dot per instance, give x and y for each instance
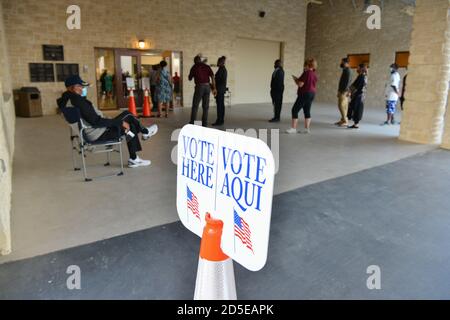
(54, 209)
(323, 238)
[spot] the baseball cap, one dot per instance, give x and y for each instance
(394, 65)
(73, 80)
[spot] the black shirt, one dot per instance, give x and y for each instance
(345, 80)
(359, 86)
(87, 111)
(221, 79)
(277, 83)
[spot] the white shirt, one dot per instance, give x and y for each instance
(391, 95)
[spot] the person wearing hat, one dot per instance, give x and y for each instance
(392, 94)
(343, 92)
(104, 128)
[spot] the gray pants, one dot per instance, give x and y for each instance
(202, 92)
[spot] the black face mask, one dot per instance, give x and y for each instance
(342, 66)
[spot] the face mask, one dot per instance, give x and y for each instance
(342, 66)
(84, 92)
(392, 70)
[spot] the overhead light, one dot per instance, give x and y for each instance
(141, 44)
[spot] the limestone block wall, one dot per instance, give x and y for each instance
(190, 26)
(7, 126)
(336, 29)
(429, 74)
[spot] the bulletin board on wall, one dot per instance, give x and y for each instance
(42, 72)
(356, 59)
(65, 70)
(53, 52)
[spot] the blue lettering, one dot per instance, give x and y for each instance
(193, 151)
(226, 158)
(185, 165)
(185, 143)
(259, 169)
(210, 158)
(226, 185)
(258, 201)
(248, 156)
(233, 189)
(209, 172)
(235, 152)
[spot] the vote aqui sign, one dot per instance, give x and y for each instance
(231, 177)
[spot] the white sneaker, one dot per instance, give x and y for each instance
(138, 162)
(305, 131)
(291, 130)
(152, 130)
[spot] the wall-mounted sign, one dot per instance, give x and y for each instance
(53, 53)
(42, 72)
(231, 177)
(65, 70)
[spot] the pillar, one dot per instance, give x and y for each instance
(429, 73)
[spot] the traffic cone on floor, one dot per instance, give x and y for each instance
(132, 103)
(215, 274)
(147, 105)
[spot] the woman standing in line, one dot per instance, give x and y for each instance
(164, 89)
(305, 95)
(358, 93)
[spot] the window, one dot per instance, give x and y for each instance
(357, 59)
(402, 59)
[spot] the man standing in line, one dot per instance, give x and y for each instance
(392, 94)
(201, 73)
(221, 86)
(343, 92)
(277, 89)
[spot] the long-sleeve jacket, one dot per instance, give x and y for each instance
(277, 83)
(221, 80)
(90, 115)
(359, 86)
(345, 80)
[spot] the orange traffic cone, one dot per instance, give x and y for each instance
(147, 105)
(215, 274)
(132, 103)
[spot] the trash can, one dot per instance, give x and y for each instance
(28, 102)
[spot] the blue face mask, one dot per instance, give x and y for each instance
(84, 92)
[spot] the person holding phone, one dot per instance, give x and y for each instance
(305, 95)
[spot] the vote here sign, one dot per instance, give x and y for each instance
(230, 176)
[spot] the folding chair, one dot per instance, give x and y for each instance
(80, 144)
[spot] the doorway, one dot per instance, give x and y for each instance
(254, 68)
(118, 70)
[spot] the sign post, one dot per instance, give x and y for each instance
(231, 177)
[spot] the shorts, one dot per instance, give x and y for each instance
(390, 106)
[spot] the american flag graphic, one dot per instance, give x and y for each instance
(242, 231)
(192, 203)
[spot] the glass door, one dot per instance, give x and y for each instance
(128, 66)
(105, 74)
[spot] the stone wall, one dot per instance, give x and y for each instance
(429, 73)
(7, 126)
(336, 29)
(191, 26)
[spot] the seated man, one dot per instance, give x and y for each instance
(107, 129)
